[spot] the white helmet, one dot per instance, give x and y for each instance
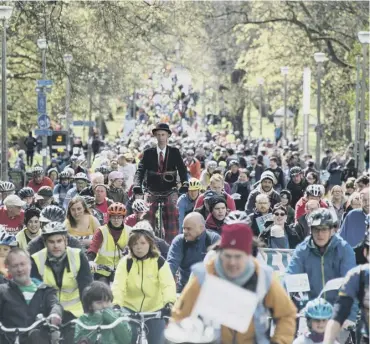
(143, 226)
(314, 190)
(190, 330)
(140, 206)
(237, 216)
(52, 228)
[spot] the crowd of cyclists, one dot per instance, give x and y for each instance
(142, 229)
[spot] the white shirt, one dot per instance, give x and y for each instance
(159, 153)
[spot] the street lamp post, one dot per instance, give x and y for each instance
(364, 38)
(284, 72)
(67, 60)
(319, 58)
(43, 45)
(5, 14)
(357, 112)
(260, 83)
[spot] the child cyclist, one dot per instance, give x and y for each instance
(317, 312)
(97, 303)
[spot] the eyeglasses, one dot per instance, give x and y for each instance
(279, 214)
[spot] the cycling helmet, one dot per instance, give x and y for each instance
(237, 216)
(143, 227)
(7, 239)
(53, 169)
(321, 217)
(26, 192)
(115, 175)
(233, 162)
(209, 194)
(81, 176)
(52, 213)
(70, 171)
(140, 206)
(37, 171)
(212, 164)
(64, 175)
(314, 190)
(194, 184)
(318, 309)
(190, 330)
(90, 201)
(103, 169)
(117, 209)
(73, 158)
(295, 170)
(7, 186)
(52, 228)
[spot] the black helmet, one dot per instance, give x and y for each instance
(64, 175)
(103, 169)
(286, 193)
(52, 213)
(321, 217)
(7, 186)
(89, 200)
(295, 170)
(26, 192)
(37, 171)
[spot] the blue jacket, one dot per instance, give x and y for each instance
(353, 227)
(185, 206)
(337, 260)
(183, 254)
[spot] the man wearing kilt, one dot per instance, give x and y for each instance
(160, 165)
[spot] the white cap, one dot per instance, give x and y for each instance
(13, 201)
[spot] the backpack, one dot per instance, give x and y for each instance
(129, 263)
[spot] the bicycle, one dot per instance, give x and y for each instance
(18, 331)
(109, 279)
(160, 198)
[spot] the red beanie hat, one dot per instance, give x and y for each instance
(238, 236)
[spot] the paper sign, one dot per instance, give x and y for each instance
(234, 311)
(297, 283)
(333, 284)
(262, 220)
(236, 196)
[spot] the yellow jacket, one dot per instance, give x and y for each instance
(277, 300)
(147, 287)
(22, 239)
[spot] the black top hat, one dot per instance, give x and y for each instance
(162, 126)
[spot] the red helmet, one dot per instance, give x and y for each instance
(117, 209)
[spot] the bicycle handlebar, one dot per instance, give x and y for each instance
(100, 327)
(22, 329)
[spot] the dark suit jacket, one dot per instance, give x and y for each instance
(149, 165)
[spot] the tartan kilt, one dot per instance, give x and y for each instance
(170, 215)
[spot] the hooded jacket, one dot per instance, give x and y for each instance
(335, 262)
(251, 203)
(212, 225)
(297, 191)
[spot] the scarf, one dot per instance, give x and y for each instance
(261, 191)
(240, 280)
(316, 337)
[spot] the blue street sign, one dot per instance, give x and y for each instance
(84, 123)
(43, 121)
(44, 132)
(44, 83)
(41, 103)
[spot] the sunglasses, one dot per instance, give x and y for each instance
(279, 214)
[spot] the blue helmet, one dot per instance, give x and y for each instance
(7, 239)
(319, 309)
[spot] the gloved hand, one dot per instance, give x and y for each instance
(166, 310)
(93, 266)
(55, 319)
(184, 188)
(348, 324)
(137, 190)
(277, 231)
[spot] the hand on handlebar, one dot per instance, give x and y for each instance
(137, 190)
(348, 324)
(55, 319)
(166, 310)
(93, 266)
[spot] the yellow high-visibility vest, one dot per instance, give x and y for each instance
(109, 254)
(21, 238)
(68, 294)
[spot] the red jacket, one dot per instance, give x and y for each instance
(300, 208)
(46, 181)
(229, 202)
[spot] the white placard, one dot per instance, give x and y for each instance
(297, 283)
(333, 284)
(234, 311)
